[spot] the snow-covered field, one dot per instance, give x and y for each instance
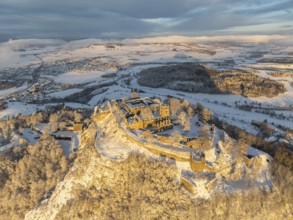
(64, 93)
(130, 56)
(79, 78)
(7, 92)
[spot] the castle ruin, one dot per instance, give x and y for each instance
(141, 119)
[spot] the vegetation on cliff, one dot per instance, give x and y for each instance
(143, 188)
(29, 175)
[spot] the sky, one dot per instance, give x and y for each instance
(74, 19)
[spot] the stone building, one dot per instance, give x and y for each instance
(159, 120)
(130, 109)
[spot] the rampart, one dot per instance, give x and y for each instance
(188, 185)
(170, 152)
(210, 185)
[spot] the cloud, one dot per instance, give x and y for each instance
(135, 18)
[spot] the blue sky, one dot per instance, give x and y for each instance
(139, 18)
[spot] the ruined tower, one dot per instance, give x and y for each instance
(164, 111)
